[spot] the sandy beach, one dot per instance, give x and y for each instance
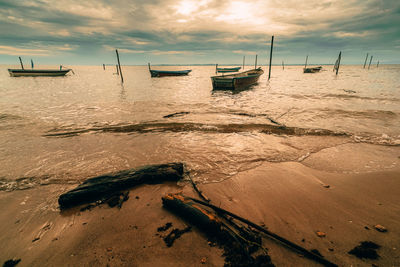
(343, 191)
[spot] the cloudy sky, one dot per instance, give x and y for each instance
(198, 31)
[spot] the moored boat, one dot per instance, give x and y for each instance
(37, 72)
(312, 70)
(224, 70)
(237, 80)
(162, 73)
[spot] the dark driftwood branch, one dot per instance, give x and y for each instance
(238, 249)
(192, 212)
(99, 187)
(286, 242)
(199, 192)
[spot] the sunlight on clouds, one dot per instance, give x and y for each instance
(61, 32)
(241, 12)
(187, 7)
(244, 52)
(351, 34)
(136, 41)
(17, 20)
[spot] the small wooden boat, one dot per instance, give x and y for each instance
(312, 70)
(162, 73)
(225, 70)
(37, 72)
(237, 80)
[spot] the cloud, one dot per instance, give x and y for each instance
(200, 28)
(341, 34)
(34, 50)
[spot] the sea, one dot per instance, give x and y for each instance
(62, 130)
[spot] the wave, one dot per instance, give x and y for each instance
(348, 94)
(191, 127)
(364, 114)
(236, 113)
(160, 127)
(352, 95)
(31, 182)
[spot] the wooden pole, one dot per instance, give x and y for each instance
(365, 62)
(283, 65)
(22, 65)
(244, 57)
(119, 66)
(377, 64)
(270, 57)
(255, 63)
(338, 62)
(305, 65)
(104, 67)
(116, 66)
(370, 62)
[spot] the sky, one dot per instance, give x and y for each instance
(76, 32)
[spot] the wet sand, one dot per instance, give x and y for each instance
(341, 191)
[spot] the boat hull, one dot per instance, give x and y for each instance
(225, 70)
(236, 81)
(163, 73)
(312, 70)
(37, 72)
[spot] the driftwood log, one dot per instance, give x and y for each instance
(192, 212)
(238, 244)
(97, 188)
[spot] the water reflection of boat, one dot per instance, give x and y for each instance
(37, 72)
(237, 80)
(224, 70)
(161, 73)
(312, 70)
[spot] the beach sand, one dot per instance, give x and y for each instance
(342, 191)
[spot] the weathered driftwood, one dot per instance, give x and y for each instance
(192, 212)
(237, 247)
(196, 188)
(102, 186)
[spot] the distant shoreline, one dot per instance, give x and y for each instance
(247, 65)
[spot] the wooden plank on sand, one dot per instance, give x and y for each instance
(97, 188)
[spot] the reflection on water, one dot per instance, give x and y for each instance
(68, 128)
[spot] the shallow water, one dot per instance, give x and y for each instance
(65, 129)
